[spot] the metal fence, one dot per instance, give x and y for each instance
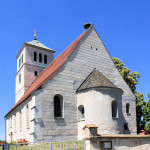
(49, 145)
(1, 147)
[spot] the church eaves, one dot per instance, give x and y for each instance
(50, 70)
(96, 79)
(37, 44)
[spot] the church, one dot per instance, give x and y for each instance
(55, 99)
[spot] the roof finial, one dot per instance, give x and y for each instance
(35, 34)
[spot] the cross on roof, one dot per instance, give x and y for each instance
(35, 34)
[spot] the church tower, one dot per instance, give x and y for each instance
(32, 59)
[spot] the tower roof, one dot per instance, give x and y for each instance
(36, 43)
(96, 79)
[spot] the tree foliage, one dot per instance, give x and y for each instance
(131, 80)
(129, 77)
(147, 115)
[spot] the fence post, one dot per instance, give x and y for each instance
(50, 145)
(6, 146)
(84, 145)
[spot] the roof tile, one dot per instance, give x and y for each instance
(96, 79)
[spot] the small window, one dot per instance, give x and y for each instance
(106, 145)
(45, 59)
(58, 106)
(11, 122)
(35, 73)
(11, 137)
(35, 56)
(22, 58)
(40, 57)
(114, 109)
(20, 120)
(27, 115)
(81, 112)
(20, 78)
(126, 126)
(127, 108)
(19, 62)
(15, 122)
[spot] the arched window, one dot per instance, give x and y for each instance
(11, 136)
(58, 106)
(20, 62)
(11, 122)
(40, 57)
(114, 109)
(15, 122)
(27, 115)
(19, 77)
(127, 108)
(45, 59)
(35, 73)
(126, 126)
(81, 112)
(35, 56)
(20, 119)
(22, 58)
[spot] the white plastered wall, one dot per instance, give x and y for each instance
(97, 108)
(24, 133)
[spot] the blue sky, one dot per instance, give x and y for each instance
(124, 27)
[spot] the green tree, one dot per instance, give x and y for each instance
(129, 77)
(147, 115)
(131, 80)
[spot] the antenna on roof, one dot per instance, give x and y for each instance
(35, 34)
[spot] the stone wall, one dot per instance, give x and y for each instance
(119, 142)
(89, 54)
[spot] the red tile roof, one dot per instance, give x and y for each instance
(49, 71)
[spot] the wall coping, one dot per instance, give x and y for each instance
(117, 136)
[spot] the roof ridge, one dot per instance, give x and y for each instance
(49, 71)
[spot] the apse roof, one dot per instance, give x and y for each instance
(96, 79)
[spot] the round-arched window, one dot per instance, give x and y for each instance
(127, 108)
(114, 109)
(58, 106)
(81, 114)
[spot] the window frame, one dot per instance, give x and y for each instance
(27, 116)
(114, 109)
(20, 120)
(61, 107)
(45, 59)
(128, 109)
(35, 73)
(40, 57)
(81, 113)
(35, 56)
(20, 78)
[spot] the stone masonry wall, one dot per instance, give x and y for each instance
(89, 54)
